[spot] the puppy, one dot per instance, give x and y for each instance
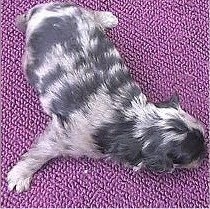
(97, 109)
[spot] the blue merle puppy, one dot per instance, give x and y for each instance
(97, 109)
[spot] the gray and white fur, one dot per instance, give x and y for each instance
(97, 109)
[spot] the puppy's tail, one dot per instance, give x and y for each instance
(21, 22)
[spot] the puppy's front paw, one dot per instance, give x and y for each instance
(19, 178)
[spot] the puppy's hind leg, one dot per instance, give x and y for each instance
(47, 148)
(106, 19)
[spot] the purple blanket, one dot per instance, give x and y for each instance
(165, 45)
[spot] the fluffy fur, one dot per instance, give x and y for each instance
(97, 110)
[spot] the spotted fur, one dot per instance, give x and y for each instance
(97, 109)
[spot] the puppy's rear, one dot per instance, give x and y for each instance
(67, 54)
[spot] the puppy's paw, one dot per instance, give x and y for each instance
(107, 19)
(111, 20)
(18, 178)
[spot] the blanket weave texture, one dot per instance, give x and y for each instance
(165, 46)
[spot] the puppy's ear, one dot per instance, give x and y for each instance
(159, 163)
(21, 22)
(174, 101)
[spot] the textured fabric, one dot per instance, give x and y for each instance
(165, 45)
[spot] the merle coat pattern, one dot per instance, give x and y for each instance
(97, 109)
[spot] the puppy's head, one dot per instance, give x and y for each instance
(172, 138)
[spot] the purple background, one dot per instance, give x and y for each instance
(165, 45)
